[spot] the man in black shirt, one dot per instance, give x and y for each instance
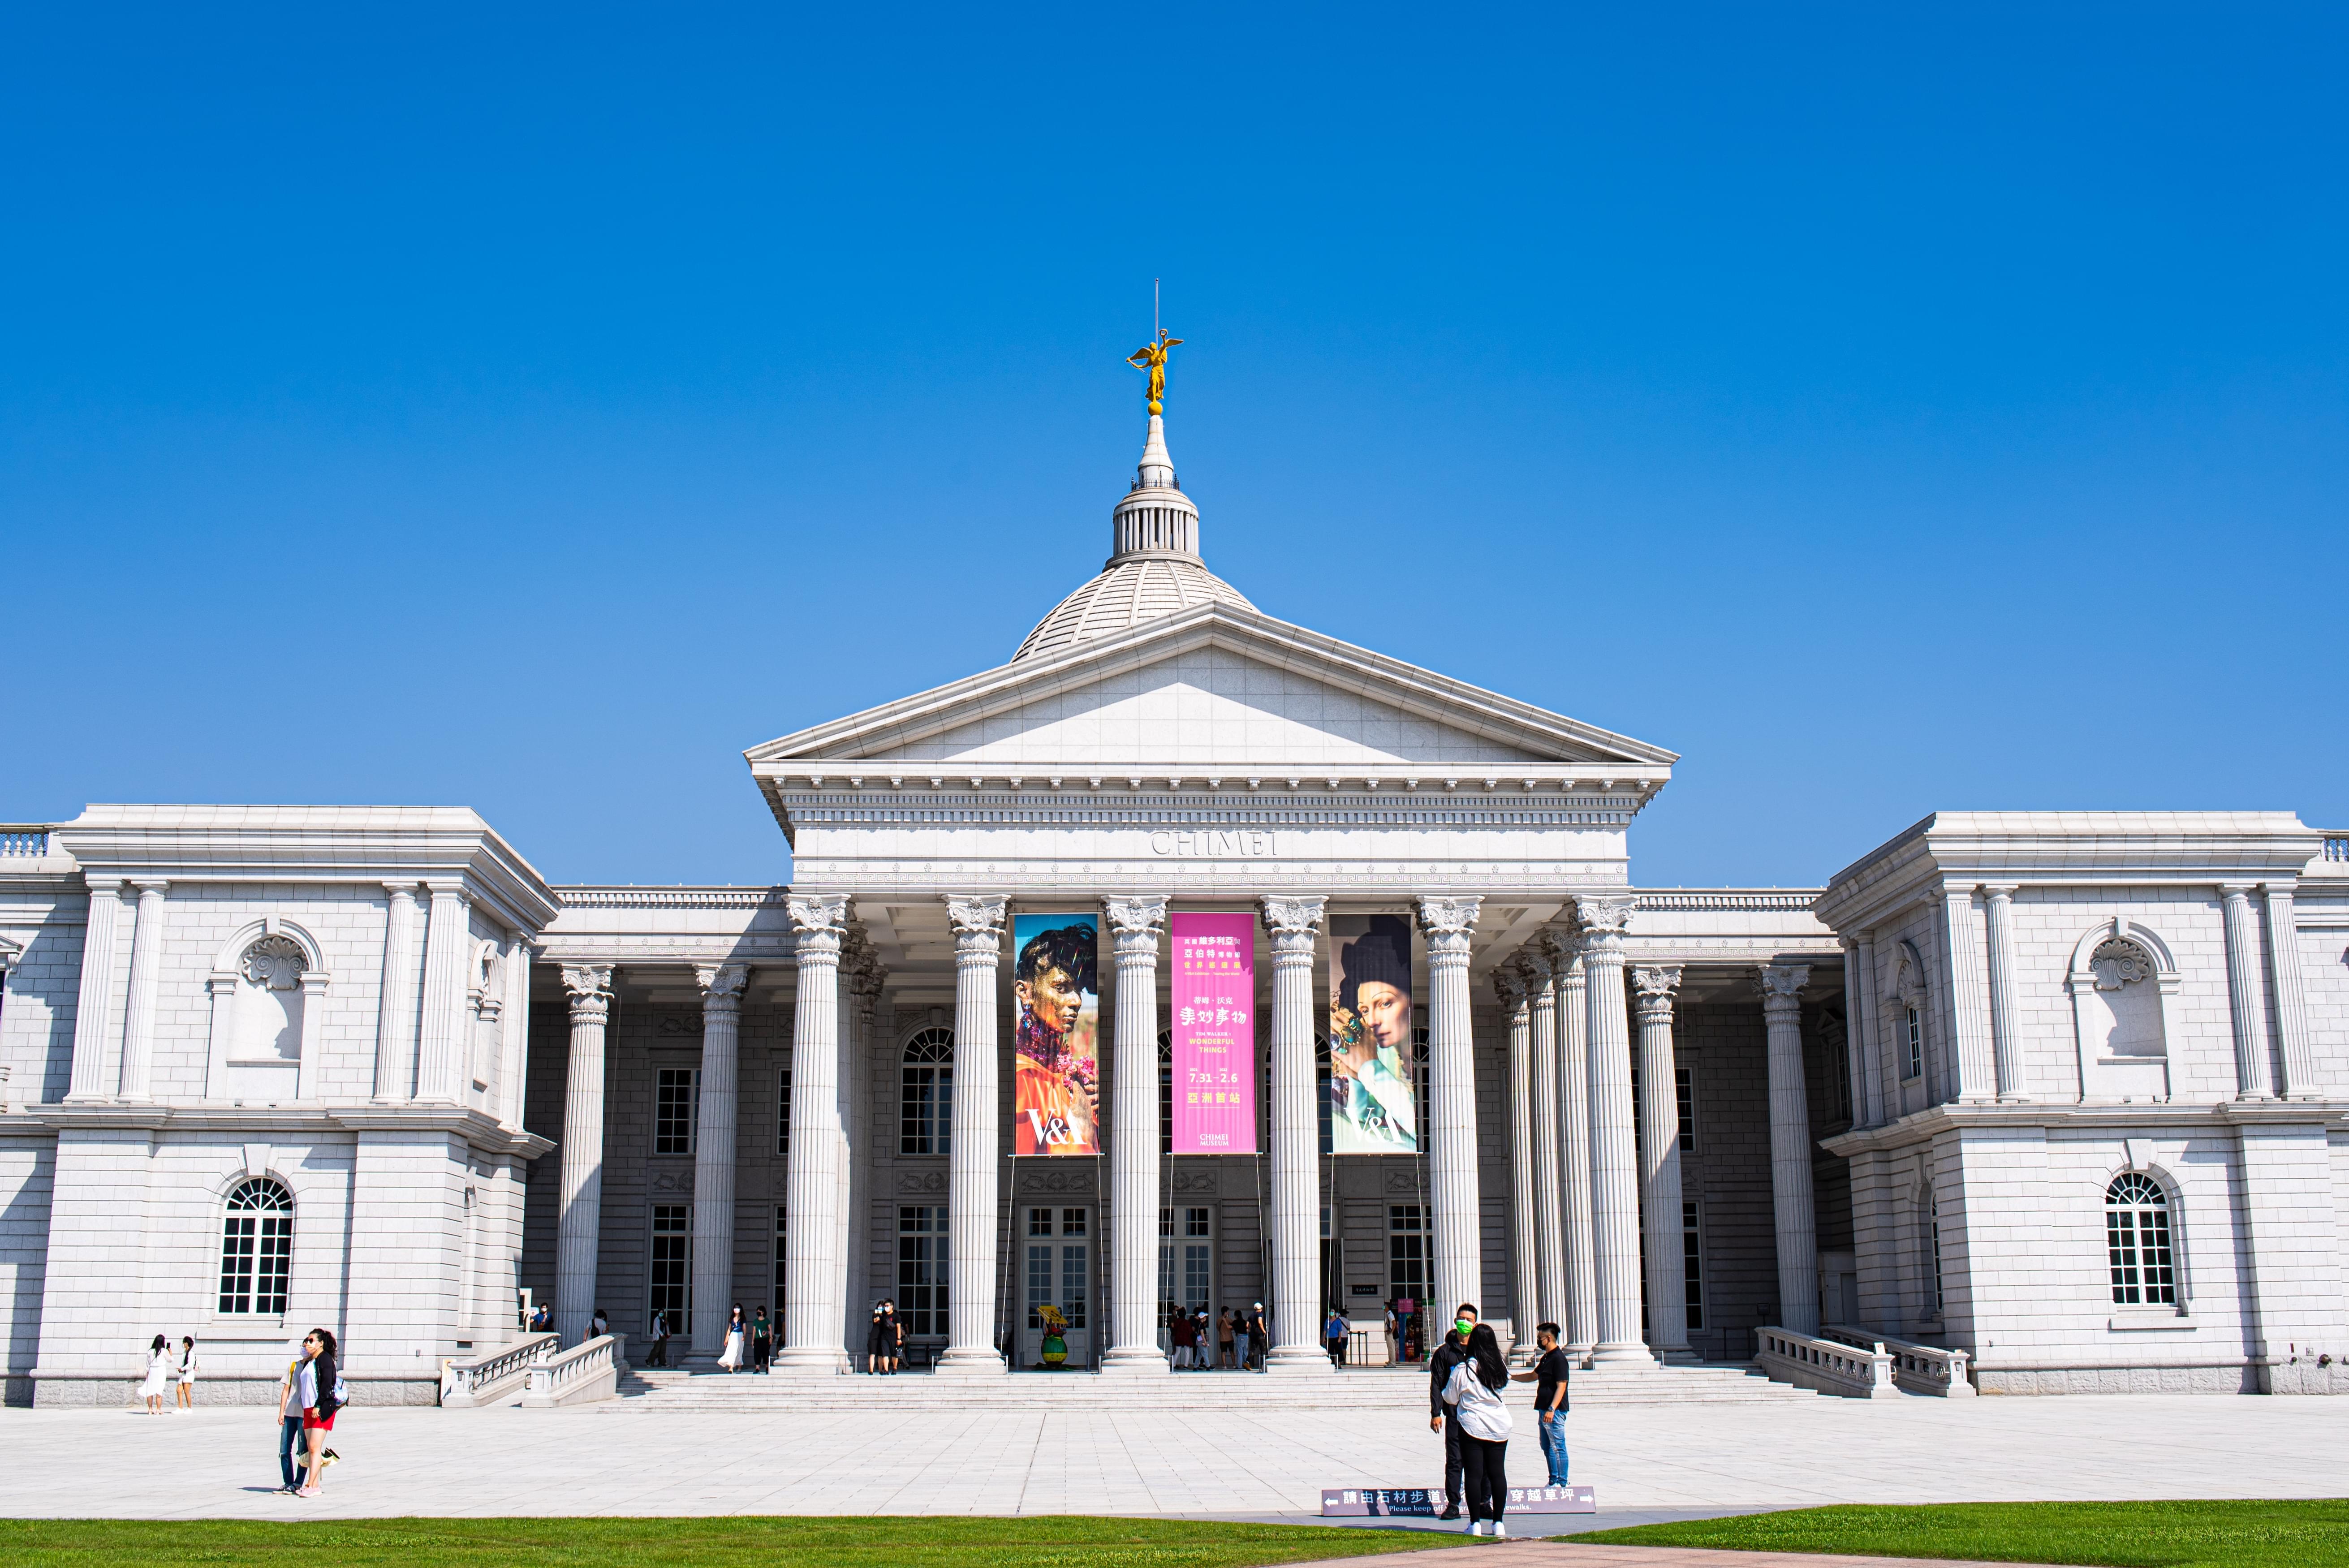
(1550, 1399)
(1448, 1355)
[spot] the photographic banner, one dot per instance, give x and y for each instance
(1056, 1044)
(1371, 1057)
(1214, 1004)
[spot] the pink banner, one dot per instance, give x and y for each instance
(1214, 998)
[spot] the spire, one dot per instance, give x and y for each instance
(1155, 518)
(1156, 470)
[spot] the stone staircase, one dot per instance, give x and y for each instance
(1366, 1389)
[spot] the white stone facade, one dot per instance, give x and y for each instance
(1663, 1119)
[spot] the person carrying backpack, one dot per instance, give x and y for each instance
(321, 1393)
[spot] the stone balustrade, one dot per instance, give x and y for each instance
(1825, 1366)
(487, 1381)
(580, 1375)
(23, 840)
(1916, 1369)
(2336, 847)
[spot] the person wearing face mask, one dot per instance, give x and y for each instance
(1449, 1354)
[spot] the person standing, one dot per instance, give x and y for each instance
(598, 1325)
(762, 1340)
(1394, 1347)
(1203, 1341)
(1439, 1373)
(159, 1375)
(659, 1357)
(289, 1424)
(321, 1395)
(187, 1372)
(1259, 1337)
(896, 1340)
(876, 1343)
(1224, 1337)
(1549, 1372)
(1474, 1392)
(1181, 1334)
(730, 1358)
(1240, 1339)
(1333, 1334)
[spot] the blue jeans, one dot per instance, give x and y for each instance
(1553, 1445)
(1240, 1351)
(290, 1442)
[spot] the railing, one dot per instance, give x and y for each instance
(465, 1385)
(579, 1376)
(23, 840)
(668, 897)
(1915, 1368)
(1825, 1366)
(2336, 847)
(1782, 901)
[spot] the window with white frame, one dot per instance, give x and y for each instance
(256, 1249)
(922, 1268)
(677, 1095)
(1693, 1265)
(783, 1106)
(2136, 1242)
(925, 1093)
(1407, 1252)
(1185, 1260)
(782, 1266)
(669, 1267)
(1684, 1091)
(1912, 1036)
(1932, 1251)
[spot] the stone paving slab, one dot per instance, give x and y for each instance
(1684, 1460)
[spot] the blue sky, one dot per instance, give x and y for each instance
(529, 410)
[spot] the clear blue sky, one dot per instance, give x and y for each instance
(528, 411)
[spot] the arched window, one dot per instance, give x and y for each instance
(256, 1249)
(926, 1098)
(2136, 1242)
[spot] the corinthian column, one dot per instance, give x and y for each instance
(1614, 1162)
(1296, 1142)
(1790, 1148)
(1509, 991)
(1137, 924)
(579, 1226)
(1660, 1165)
(1549, 1217)
(978, 922)
(1581, 1320)
(715, 1116)
(813, 1286)
(1445, 923)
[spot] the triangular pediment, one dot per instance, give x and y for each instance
(1215, 687)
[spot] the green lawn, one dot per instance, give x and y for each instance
(766, 1542)
(2117, 1534)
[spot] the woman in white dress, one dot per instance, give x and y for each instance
(187, 1371)
(159, 1375)
(732, 1357)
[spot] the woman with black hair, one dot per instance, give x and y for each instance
(159, 1375)
(1474, 1395)
(320, 1396)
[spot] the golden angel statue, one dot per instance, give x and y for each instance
(1152, 357)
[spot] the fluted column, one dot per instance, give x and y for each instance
(395, 1023)
(93, 1009)
(1614, 1160)
(448, 943)
(715, 1119)
(1549, 1217)
(2243, 988)
(2292, 1046)
(579, 1226)
(1660, 1165)
(1293, 923)
(139, 1019)
(978, 923)
(1517, 1019)
(1446, 924)
(1790, 1148)
(1136, 924)
(1859, 1015)
(1564, 945)
(2005, 1041)
(812, 1283)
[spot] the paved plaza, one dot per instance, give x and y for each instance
(1645, 1461)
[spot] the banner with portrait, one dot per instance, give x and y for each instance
(1056, 1042)
(1213, 1002)
(1373, 1109)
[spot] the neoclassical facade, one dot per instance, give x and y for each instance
(2062, 1090)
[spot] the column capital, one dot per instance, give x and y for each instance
(1139, 917)
(1605, 917)
(1446, 922)
(1999, 892)
(590, 988)
(1562, 946)
(1532, 967)
(445, 887)
(2281, 887)
(976, 915)
(406, 890)
(817, 923)
(722, 984)
(2236, 891)
(869, 976)
(1781, 984)
(1659, 980)
(1295, 917)
(1509, 989)
(158, 886)
(101, 883)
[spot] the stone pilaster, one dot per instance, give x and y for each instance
(2005, 1038)
(2251, 1075)
(1293, 923)
(448, 951)
(715, 1116)
(1660, 1165)
(978, 922)
(1781, 987)
(578, 1226)
(1517, 1019)
(813, 1283)
(1977, 1072)
(1614, 1159)
(2290, 1013)
(1860, 1013)
(513, 1050)
(138, 1017)
(864, 986)
(94, 1008)
(1136, 924)
(395, 1024)
(1447, 925)
(1563, 946)
(1549, 1215)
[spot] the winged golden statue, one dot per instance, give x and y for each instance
(1152, 357)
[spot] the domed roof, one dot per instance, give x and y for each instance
(1153, 568)
(1133, 590)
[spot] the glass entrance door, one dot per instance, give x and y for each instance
(1057, 1263)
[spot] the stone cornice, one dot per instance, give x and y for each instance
(478, 1127)
(1923, 1125)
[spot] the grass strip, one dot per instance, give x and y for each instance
(2151, 1534)
(897, 1542)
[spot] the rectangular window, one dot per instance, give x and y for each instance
(1684, 1086)
(922, 1268)
(782, 1262)
(257, 1260)
(1407, 1252)
(924, 1109)
(783, 1108)
(1693, 1265)
(1914, 1032)
(1076, 1274)
(1933, 1238)
(1839, 1091)
(2144, 1273)
(671, 1267)
(677, 1092)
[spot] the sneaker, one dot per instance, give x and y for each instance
(1476, 1527)
(1500, 1530)
(307, 1491)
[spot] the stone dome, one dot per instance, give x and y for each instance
(1153, 568)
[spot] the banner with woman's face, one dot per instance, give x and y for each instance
(1056, 1043)
(1372, 1010)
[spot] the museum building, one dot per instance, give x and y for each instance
(2062, 1092)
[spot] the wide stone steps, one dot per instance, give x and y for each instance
(1366, 1389)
